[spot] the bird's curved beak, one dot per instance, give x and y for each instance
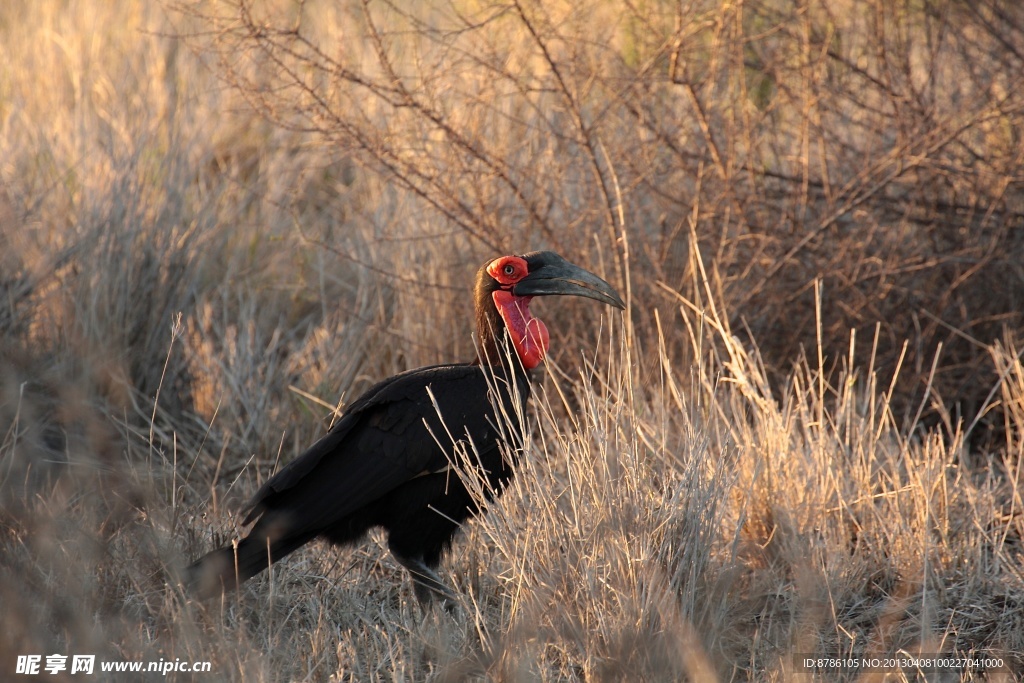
(562, 278)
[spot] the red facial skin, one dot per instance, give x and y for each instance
(529, 335)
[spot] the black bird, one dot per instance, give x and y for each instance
(388, 462)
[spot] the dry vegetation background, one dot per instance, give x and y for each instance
(220, 219)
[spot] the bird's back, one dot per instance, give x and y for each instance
(401, 429)
(398, 458)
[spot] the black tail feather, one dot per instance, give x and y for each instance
(228, 567)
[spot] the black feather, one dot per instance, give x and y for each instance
(385, 463)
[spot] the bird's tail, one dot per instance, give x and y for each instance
(225, 568)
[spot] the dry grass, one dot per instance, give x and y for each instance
(720, 480)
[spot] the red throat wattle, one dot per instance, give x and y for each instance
(529, 335)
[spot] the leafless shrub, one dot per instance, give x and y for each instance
(873, 148)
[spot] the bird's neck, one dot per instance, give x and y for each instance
(512, 339)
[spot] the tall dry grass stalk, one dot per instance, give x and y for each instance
(721, 480)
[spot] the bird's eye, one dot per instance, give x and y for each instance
(510, 269)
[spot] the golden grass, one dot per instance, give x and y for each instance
(187, 290)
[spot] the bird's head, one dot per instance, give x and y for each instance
(506, 285)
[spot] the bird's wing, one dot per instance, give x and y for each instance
(391, 434)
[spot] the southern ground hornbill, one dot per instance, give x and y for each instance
(388, 462)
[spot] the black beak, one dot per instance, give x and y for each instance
(552, 275)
